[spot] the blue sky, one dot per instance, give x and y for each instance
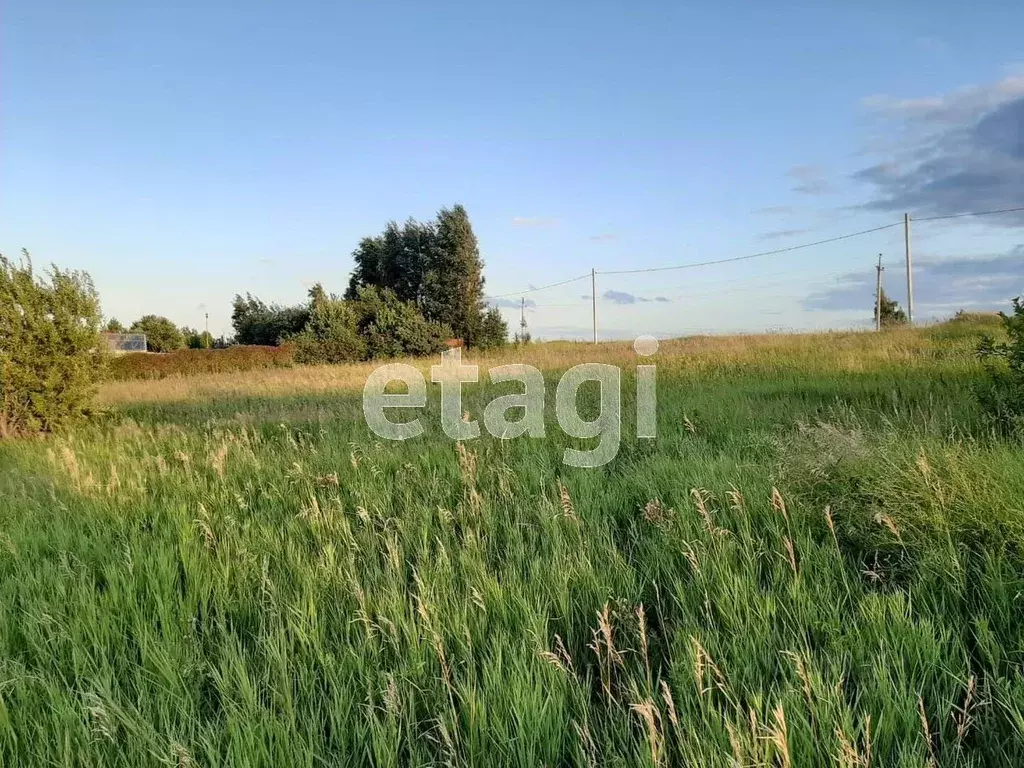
(184, 152)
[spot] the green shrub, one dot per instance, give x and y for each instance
(396, 328)
(161, 334)
(51, 354)
(187, 362)
(493, 330)
(330, 336)
(258, 323)
(1003, 397)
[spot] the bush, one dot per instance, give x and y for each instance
(330, 336)
(50, 350)
(1003, 397)
(187, 362)
(161, 334)
(493, 330)
(395, 328)
(257, 323)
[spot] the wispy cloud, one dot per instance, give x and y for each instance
(621, 297)
(534, 222)
(604, 236)
(779, 234)
(959, 152)
(961, 282)
(511, 303)
(810, 180)
(775, 210)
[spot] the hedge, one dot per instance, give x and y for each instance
(188, 362)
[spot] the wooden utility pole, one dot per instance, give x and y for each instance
(878, 294)
(910, 269)
(593, 299)
(522, 320)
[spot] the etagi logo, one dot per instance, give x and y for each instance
(451, 374)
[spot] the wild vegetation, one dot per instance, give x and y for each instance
(50, 358)
(191, 362)
(817, 562)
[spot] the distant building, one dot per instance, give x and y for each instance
(119, 343)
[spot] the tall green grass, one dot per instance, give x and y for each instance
(807, 567)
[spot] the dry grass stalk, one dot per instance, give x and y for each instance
(705, 666)
(700, 498)
(736, 501)
(962, 717)
(689, 425)
(670, 704)
(218, 460)
(832, 527)
(650, 715)
(603, 647)
(779, 505)
(641, 617)
(927, 732)
(801, 673)
(587, 744)
(655, 512)
(778, 734)
(886, 520)
(787, 544)
(467, 465)
(568, 509)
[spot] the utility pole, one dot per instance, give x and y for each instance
(207, 323)
(910, 269)
(593, 298)
(522, 320)
(878, 294)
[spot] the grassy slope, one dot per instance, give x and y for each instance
(229, 570)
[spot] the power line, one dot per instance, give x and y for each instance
(541, 288)
(971, 213)
(753, 255)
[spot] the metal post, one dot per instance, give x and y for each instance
(593, 298)
(878, 295)
(910, 269)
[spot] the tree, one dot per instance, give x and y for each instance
(50, 351)
(196, 339)
(114, 326)
(434, 265)
(266, 324)
(494, 331)
(161, 334)
(395, 328)
(330, 336)
(891, 313)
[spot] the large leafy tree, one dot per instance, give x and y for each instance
(436, 266)
(50, 350)
(161, 334)
(265, 324)
(890, 314)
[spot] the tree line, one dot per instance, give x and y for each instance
(413, 288)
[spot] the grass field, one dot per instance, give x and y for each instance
(818, 562)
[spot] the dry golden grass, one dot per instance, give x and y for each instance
(850, 351)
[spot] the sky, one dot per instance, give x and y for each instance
(185, 152)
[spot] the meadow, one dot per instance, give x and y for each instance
(819, 561)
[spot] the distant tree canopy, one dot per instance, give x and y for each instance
(436, 266)
(412, 287)
(114, 326)
(891, 314)
(265, 324)
(161, 334)
(196, 339)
